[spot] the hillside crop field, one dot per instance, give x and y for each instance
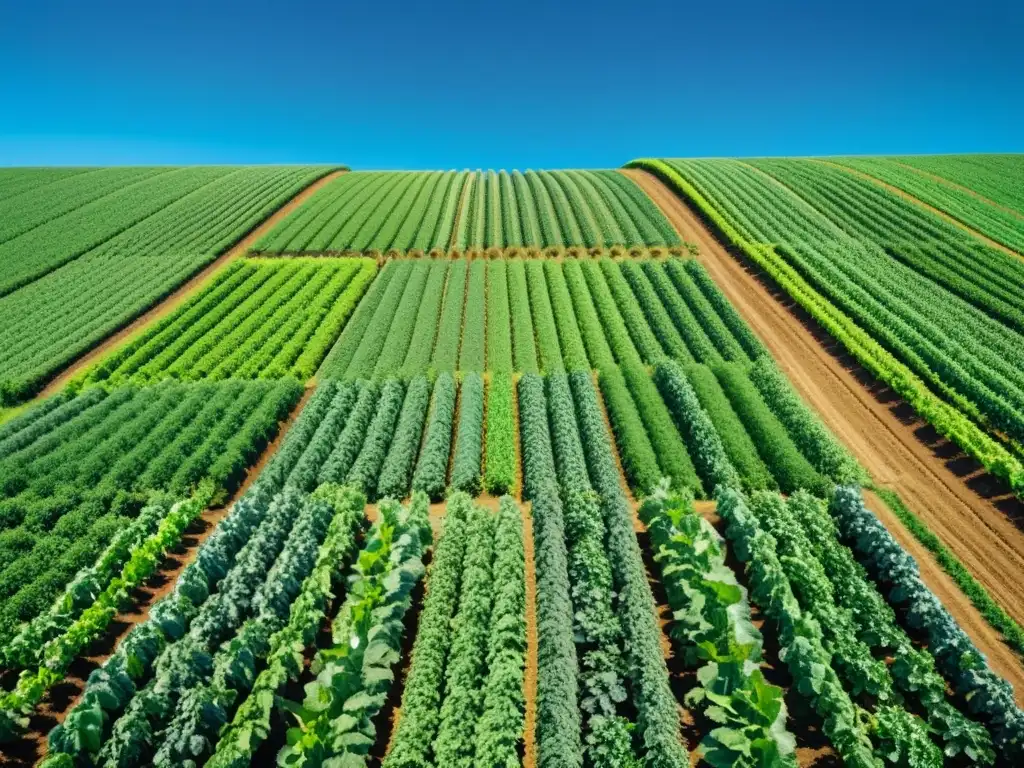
(689, 463)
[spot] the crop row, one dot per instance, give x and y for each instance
(963, 205)
(84, 470)
(923, 242)
(463, 703)
(257, 319)
(879, 696)
(161, 699)
(48, 323)
(715, 635)
(593, 653)
(527, 316)
(472, 211)
(356, 670)
(959, 368)
(992, 176)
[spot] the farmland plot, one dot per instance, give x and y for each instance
(265, 319)
(466, 212)
(951, 360)
(51, 321)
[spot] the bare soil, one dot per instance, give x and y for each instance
(922, 204)
(973, 514)
(174, 300)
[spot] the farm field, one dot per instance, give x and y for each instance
(472, 211)
(523, 469)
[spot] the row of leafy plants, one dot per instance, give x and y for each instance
(355, 671)
(463, 703)
(713, 630)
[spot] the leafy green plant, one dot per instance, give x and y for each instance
(712, 623)
(500, 457)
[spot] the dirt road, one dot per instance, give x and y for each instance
(899, 451)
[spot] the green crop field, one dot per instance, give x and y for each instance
(696, 462)
(472, 211)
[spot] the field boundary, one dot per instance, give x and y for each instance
(511, 252)
(872, 422)
(948, 218)
(182, 293)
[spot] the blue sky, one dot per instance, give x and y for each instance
(528, 84)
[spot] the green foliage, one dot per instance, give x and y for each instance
(639, 329)
(544, 325)
(56, 656)
(574, 355)
(500, 456)
(379, 438)
(790, 469)
(71, 479)
(468, 456)
(499, 322)
(449, 333)
(1013, 633)
(402, 325)
(558, 715)
(355, 672)
(465, 671)
(597, 348)
(857, 314)
(990, 697)
(412, 741)
(731, 429)
(396, 475)
(117, 263)
(350, 442)
(341, 354)
(598, 634)
(799, 635)
(500, 725)
(657, 721)
(638, 459)
(371, 345)
(655, 311)
(425, 327)
(813, 439)
(264, 318)
(474, 324)
(703, 442)
(614, 326)
(706, 315)
(712, 625)
(913, 671)
(698, 345)
(668, 446)
(524, 345)
(432, 468)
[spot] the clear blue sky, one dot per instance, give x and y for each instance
(536, 84)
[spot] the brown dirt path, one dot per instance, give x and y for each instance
(922, 204)
(185, 291)
(960, 505)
